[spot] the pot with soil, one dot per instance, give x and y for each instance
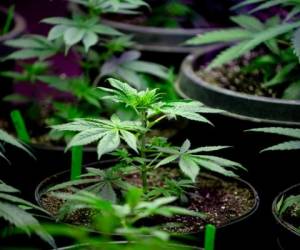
(240, 94)
(230, 204)
(285, 210)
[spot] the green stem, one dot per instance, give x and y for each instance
(143, 153)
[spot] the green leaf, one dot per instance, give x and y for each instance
(167, 160)
(189, 167)
(292, 92)
(105, 30)
(248, 22)
(212, 166)
(108, 143)
(58, 21)
(130, 139)
(296, 43)
(226, 35)
(222, 162)
(207, 149)
(134, 196)
(90, 39)
(86, 137)
(291, 132)
(107, 193)
(73, 36)
(185, 146)
(57, 32)
(290, 145)
(148, 68)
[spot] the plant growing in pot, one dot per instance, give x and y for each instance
(157, 34)
(285, 207)
(14, 211)
(111, 219)
(140, 162)
(255, 77)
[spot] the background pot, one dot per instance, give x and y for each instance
(237, 105)
(163, 45)
(288, 237)
(225, 234)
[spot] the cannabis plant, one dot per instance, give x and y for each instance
(145, 155)
(8, 21)
(277, 36)
(13, 209)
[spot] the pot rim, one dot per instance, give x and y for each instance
(187, 68)
(42, 188)
(279, 220)
(19, 26)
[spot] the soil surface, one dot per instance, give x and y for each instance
(233, 76)
(292, 216)
(222, 202)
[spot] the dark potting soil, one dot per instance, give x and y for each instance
(292, 216)
(222, 202)
(233, 76)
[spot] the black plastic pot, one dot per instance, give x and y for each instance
(288, 237)
(238, 105)
(226, 233)
(163, 45)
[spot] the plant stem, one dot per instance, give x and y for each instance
(142, 150)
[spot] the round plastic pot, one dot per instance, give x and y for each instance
(288, 238)
(163, 45)
(238, 105)
(226, 234)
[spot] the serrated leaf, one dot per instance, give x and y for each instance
(73, 36)
(56, 32)
(185, 146)
(167, 160)
(189, 167)
(248, 22)
(212, 166)
(296, 43)
(291, 132)
(130, 139)
(86, 137)
(207, 149)
(290, 145)
(89, 40)
(108, 143)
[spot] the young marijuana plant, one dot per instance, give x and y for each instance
(14, 209)
(278, 36)
(145, 155)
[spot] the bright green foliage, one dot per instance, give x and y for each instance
(290, 132)
(33, 46)
(79, 29)
(150, 110)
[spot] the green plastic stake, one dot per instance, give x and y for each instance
(20, 126)
(210, 236)
(77, 155)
